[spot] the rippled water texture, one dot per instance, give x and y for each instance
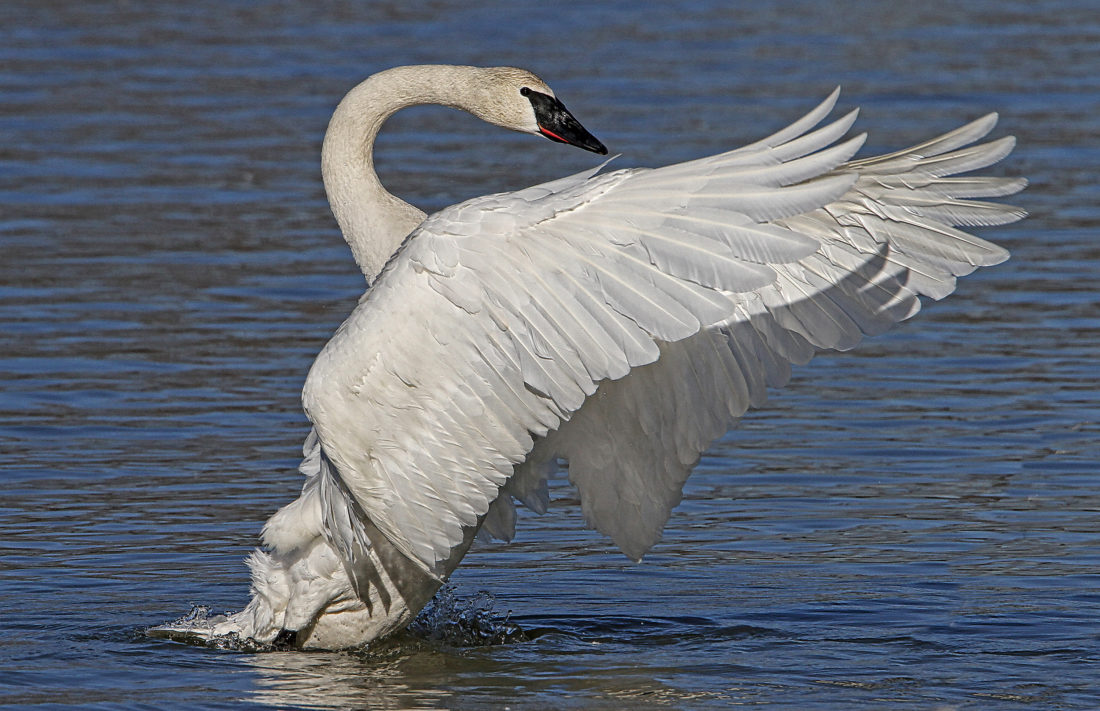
(910, 525)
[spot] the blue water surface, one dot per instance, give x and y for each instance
(913, 524)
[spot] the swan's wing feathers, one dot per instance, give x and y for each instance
(497, 340)
(888, 239)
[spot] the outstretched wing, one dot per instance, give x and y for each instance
(508, 323)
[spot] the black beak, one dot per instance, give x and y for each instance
(556, 123)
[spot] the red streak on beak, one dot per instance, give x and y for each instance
(551, 134)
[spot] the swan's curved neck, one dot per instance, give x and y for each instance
(375, 222)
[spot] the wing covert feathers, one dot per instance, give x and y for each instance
(499, 340)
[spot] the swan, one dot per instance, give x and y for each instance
(615, 323)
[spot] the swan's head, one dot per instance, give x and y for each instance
(518, 100)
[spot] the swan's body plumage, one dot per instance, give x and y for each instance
(618, 322)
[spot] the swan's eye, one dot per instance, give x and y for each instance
(525, 91)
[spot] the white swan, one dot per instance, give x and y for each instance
(620, 322)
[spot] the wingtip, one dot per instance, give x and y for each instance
(1000, 256)
(857, 141)
(829, 103)
(849, 119)
(980, 127)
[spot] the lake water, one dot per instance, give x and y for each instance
(914, 524)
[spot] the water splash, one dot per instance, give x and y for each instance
(465, 623)
(447, 620)
(194, 629)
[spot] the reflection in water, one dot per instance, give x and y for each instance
(375, 677)
(413, 670)
(461, 643)
(336, 680)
